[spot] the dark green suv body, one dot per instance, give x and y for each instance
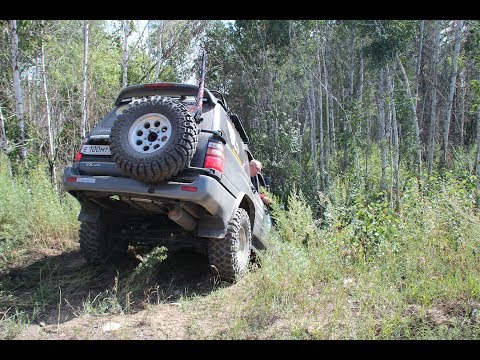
(151, 173)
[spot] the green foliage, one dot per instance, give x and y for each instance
(297, 224)
(148, 264)
(373, 226)
(31, 210)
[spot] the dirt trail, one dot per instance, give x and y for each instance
(78, 300)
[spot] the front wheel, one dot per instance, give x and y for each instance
(230, 256)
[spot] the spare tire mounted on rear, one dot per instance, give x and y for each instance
(154, 139)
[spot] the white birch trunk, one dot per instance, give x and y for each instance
(313, 141)
(159, 50)
(433, 113)
(453, 77)
(396, 155)
(3, 135)
(18, 89)
(478, 157)
(414, 119)
(84, 81)
(126, 29)
(49, 121)
(328, 151)
(381, 110)
(351, 70)
(462, 114)
(320, 124)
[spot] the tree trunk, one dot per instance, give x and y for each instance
(381, 110)
(329, 79)
(84, 82)
(313, 130)
(453, 77)
(126, 29)
(320, 125)
(51, 156)
(159, 50)
(3, 135)
(431, 133)
(418, 71)
(478, 157)
(328, 151)
(462, 114)
(360, 90)
(18, 90)
(350, 71)
(414, 119)
(396, 156)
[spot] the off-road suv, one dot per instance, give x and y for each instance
(152, 173)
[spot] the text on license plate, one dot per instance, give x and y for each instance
(96, 149)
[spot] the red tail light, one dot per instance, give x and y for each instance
(215, 157)
(78, 155)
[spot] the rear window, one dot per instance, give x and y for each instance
(207, 114)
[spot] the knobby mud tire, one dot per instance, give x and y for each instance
(166, 161)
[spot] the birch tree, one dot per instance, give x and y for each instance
(433, 113)
(51, 156)
(414, 120)
(84, 81)
(320, 124)
(478, 156)
(453, 77)
(126, 33)
(313, 141)
(395, 142)
(18, 89)
(159, 50)
(3, 136)
(383, 139)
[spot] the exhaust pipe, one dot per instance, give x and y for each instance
(182, 218)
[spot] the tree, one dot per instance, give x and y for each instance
(18, 89)
(84, 81)
(453, 77)
(433, 111)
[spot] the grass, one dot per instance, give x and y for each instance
(363, 272)
(421, 282)
(32, 214)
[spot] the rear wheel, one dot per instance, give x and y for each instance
(101, 243)
(230, 256)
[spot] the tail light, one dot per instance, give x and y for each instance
(215, 156)
(78, 155)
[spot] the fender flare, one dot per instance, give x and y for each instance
(244, 201)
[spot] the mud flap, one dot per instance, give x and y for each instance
(89, 212)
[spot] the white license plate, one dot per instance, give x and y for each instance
(96, 149)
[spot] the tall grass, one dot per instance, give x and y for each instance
(369, 273)
(31, 211)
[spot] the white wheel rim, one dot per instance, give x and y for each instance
(149, 133)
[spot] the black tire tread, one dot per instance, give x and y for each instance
(222, 252)
(94, 244)
(173, 158)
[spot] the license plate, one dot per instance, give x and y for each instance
(96, 149)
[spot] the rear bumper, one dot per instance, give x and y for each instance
(210, 194)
